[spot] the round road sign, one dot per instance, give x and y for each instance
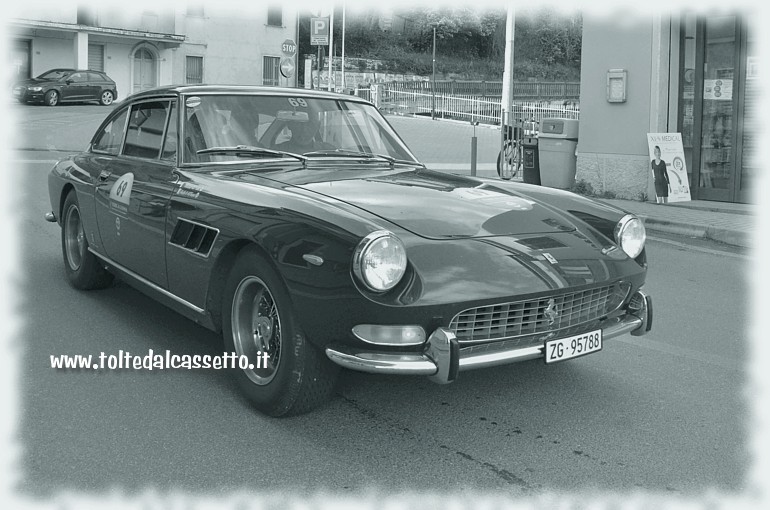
(287, 67)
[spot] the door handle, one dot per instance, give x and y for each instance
(104, 174)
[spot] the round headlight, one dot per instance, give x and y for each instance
(380, 261)
(630, 235)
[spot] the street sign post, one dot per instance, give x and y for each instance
(319, 31)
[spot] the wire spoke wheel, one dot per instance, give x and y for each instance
(286, 374)
(256, 325)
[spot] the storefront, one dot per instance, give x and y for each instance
(694, 73)
(717, 103)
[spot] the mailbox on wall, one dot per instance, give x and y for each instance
(616, 85)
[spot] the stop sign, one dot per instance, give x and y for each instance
(289, 48)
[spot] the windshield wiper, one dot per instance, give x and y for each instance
(250, 150)
(358, 154)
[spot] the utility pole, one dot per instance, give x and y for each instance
(507, 100)
(343, 44)
(331, 46)
(433, 81)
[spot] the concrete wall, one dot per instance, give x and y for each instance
(52, 50)
(159, 19)
(612, 147)
(232, 42)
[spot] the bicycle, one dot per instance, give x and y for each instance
(513, 152)
(510, 160)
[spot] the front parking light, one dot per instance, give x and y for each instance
(390, 335)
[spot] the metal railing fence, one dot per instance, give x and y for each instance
(523, 90)
(470, 108)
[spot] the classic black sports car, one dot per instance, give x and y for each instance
(67, 86)
(299, 225)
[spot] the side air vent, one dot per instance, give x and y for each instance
(194, 237)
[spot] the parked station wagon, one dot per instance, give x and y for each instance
(299, 225)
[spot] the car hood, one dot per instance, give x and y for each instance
(435, 205)
(32, 82)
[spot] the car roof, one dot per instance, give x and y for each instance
(71, 70)
(241, 89)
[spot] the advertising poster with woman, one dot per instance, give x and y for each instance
(668, 167)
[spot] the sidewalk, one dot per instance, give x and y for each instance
(444, 146)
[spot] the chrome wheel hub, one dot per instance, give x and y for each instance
(256, 326)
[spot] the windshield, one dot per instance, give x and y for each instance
(285, 125)
(54, 74)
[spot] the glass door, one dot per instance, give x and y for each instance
(750, 125)
(718, 119)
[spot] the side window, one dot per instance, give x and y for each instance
(145, 129)
(111, 136)
(95, 77)
(170, 145)
(77, 77)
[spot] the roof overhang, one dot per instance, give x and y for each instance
(173, 39)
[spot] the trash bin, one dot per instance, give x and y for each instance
(557, 144)
(530, 160)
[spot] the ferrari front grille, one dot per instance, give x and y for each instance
(538, 316)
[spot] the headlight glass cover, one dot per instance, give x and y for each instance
(630, 235)
(380, 261)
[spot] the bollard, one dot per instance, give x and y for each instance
(474, 147)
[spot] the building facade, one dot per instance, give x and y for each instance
(691, 73)
(147, 48)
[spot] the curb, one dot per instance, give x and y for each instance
(722, 235)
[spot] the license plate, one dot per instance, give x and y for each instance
(571, 347)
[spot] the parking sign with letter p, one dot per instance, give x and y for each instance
(319, 31)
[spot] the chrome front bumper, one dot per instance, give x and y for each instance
(442, 359)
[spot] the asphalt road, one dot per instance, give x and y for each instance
(664, 414)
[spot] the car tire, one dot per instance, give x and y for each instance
(257, 316)
(52, 98)
(107, 98)
(84, 271)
